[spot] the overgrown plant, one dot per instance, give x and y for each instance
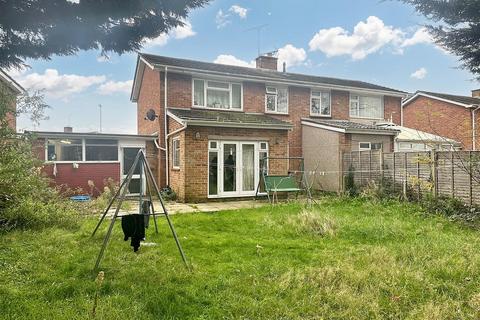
(26, 200)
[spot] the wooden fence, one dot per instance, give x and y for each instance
(449, 173)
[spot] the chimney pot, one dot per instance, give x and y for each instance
(267, 62)
(476, 93)
(67, 129)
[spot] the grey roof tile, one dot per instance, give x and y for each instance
(456, 98)
(227, 117)
(350, 125)
(274, 75)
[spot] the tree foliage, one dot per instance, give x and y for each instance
(39, 29)
(456, 28)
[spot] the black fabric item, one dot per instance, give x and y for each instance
(133, 226)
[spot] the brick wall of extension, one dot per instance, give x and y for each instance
(190, 180)
(443, 119)
(179, 88)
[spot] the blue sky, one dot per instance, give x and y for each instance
(375, 41)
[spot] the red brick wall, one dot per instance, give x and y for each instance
(177, 176)
(190, 182)
(392, 109)
(72, 178)
(440, 118)
(340, 105)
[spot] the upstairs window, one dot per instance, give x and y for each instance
(217, 94)
(366, 106)
(64, 150)
(320, 103)
(276, 100)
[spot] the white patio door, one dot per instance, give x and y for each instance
(128, 157)
(238, 169)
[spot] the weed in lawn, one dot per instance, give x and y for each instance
(313, 222)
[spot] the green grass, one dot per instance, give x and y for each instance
(347, 259)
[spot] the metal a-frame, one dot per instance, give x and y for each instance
(120, 195)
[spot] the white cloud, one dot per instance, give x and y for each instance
(420, 36)
(180, 32)
(367, 37)
(222, 19)
(291, 55)
(59, 85)
(419, 74)
(233, 61)
(242, 12)
(112, 87)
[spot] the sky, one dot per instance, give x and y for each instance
(383, 42)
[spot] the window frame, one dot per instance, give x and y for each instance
(84, 149)
(329, 115)
(359, 95)
(364, 149)
(267, 93)
(176, 140)
(205, 98)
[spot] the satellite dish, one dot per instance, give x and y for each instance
(151, 115)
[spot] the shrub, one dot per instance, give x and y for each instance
(350, 187)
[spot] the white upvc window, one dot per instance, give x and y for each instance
(320, 104)
(366, 146)
(176, 153)
(362, 106)
(276, 100)
(217, 94)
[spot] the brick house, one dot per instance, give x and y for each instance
(16, 89)
(74, 160)
(451, 116)
(215, 122)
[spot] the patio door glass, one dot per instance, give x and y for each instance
(229, 167)
(248, 167)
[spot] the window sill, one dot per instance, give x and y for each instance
(277, 113)
(175, 168)
(80, 162)
(320, 116)
(365, 118)
(217, 109)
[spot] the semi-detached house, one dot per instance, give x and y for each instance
(216, 122)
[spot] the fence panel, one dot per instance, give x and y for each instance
(446, 173)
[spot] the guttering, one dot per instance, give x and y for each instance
(206, 123)
(474, 125)
(280, 81)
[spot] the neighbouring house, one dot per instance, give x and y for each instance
(411, 140)
(82, 160)
(216, 122)
(451, 116)
(16, 90)
(324, 142)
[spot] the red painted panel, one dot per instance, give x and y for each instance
(68, 176)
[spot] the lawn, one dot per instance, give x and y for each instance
(360, 260)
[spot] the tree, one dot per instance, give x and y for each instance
(457, 28)
(38, 29)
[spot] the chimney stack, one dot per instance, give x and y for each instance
(68, 129)
(267, 61)
(476, 93)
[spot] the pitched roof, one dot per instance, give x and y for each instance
(272, 75)
(349, 126)
(11, 83)
(226, 118)
(410, 134)
(466, 101)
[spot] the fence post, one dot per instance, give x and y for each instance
(370, 166)
(470, 174)
(405, 175)
(418, 175)
(360, 167)
(433, 157)
(394, 172)
(381, 167)
(453, 173)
